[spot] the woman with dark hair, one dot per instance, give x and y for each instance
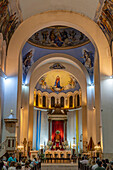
(18, 167)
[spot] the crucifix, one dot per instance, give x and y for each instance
(25, 143)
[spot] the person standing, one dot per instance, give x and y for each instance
(10, 159)
(100, 166)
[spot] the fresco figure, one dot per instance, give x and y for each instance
(27, 59)
(44, 35)
(52, 36)
(58, 40)
(57, 82)
(27, 62)
(87, 60)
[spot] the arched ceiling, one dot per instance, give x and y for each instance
(13, 12)
(58, 39)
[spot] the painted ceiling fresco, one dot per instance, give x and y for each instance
(85, 54)
(57, 81)
(104, 18)
(57, 37)
(9, 20)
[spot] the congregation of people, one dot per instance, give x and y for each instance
(24, 164)
(88, 163)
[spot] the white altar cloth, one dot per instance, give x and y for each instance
(59, 152)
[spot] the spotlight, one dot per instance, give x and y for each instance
(111, 77)
(92, 84)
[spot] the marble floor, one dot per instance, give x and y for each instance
(59, 166)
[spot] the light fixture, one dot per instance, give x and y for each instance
(93, 107)
(111, 76)
(92, 84)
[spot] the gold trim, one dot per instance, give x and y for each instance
(58, 48)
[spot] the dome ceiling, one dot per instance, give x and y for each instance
(58, 37)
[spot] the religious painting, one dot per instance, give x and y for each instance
(56, 37)
(85, 54)
(88, 62)
(27, 62)
(98, 11)
(8, 22)
(57, 81)
(105, 19)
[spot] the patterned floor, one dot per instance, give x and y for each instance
(49, 166)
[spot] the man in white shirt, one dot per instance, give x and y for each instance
(96, 165)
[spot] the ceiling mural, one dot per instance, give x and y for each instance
(57, 81)
(58, 37)
(105, 18)
(84, 53)
(9, 19)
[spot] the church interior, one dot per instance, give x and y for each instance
(56, 79)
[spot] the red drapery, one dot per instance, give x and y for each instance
(58, 125)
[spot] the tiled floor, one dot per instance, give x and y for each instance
(69, 166)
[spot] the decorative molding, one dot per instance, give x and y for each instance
(57, 66)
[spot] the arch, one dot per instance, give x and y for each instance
(62, 101)
(37, 99)
(78, 100)
(46, 19)
(50, 18)
(70, 101)
(77, 71)
(57, 57)
(52, 101)
(44, 101)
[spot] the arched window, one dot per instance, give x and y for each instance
(62, 101)
(75, 101)
(44, 101)
(71, 101)
(78, 101)
(37, 100)
(52, 101)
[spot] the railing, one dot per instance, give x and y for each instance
(8, 145)
(3, 148)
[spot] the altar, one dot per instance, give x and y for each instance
(52, 156)
(57, 120)
(58, 153)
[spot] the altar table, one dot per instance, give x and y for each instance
(58, 153)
